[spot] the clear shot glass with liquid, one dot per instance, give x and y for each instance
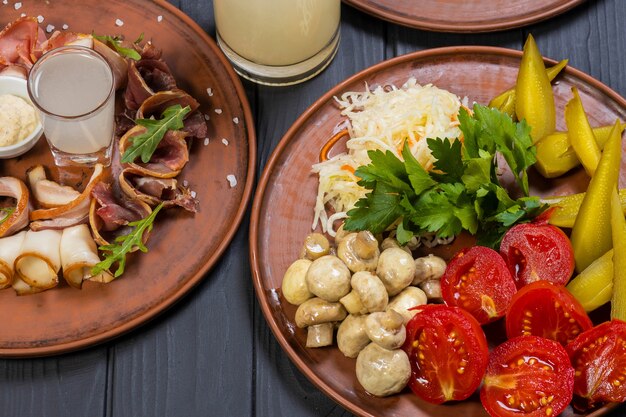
(73, 89)
(278, 42)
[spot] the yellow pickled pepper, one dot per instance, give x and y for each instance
(534, 100)
(505, 102)
(556, 156)
(593, 287)
(581, 135)
(567, 207)
(591, 234)
(618, 231)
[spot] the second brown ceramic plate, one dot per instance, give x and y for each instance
(182, 246)
(283, 207)
(464, 15)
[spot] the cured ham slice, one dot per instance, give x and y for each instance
(9, 250)
(20, 42)
(72, 213)
(156, 104)
(39, 260)
(109, 216)
(156, 190)
(18, 218)
(169, 158)
(145, 78)
(78, 254)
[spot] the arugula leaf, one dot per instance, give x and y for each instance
(116, 43)
(447, 156)
(146, 143)
(124, 244)
(376, 212)
(5, 213)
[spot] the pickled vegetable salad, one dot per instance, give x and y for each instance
(384, 118)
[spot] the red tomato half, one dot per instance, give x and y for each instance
(535, 251)
(478, 281)
(448, 353)
(527, 376)
(599, 359)
(546, 310)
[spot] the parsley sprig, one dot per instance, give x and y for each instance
(146, 143)
(462, 192)
(116, 252)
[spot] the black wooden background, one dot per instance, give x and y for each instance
(213, 354)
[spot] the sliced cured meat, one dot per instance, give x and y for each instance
(116, 212)
(20, 41)
(153, 190)
(16, 219)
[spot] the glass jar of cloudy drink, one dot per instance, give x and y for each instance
(73, 88)
(278, 42)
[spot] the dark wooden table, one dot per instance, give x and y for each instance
(213, 354)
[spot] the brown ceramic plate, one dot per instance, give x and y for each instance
(464, 15)
(282, 212)
(182, 246)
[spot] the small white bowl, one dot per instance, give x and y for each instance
(17, 86)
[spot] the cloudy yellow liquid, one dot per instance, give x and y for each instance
(277, 32)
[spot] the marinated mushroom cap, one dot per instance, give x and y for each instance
(371, 291)
(359, 251)
(409, 298)
(294, 287)
(390, 242)
(382, 372)
(428, 268)
(315, 246)
(386, 329)
(320, 335)
(396, 269)
(328, 278)
(340, 234)
(317, 311)
(432, 289)
(351, 336)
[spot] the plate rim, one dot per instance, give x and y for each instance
(434, 26)
(197, 276)
(272, 162)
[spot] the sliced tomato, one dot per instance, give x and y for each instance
(478, 280)
(527, 376)
(599, 359)
(546, 310)
(536, 251)
(448, 352)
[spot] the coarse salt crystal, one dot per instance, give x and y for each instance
(23, 15)
(40, 18)
(119, 22)
(185, 183)
(218, 111)
(17, 5)
(206, 141)
(159, 18)
(225, 141)
(236, 120)
(232, 181)
(65, 26)
(209, 91)
(193, 194)
(207, 117)
(49, 28)
(5, 1)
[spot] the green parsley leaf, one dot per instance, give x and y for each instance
(124, 244)
(447, 154)
(385, 168)
(419, 178)
(5, 213)
(116, 43)
(377, 211)
(146, 143)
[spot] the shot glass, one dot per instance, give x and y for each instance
(73, 89)
(278, 42)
